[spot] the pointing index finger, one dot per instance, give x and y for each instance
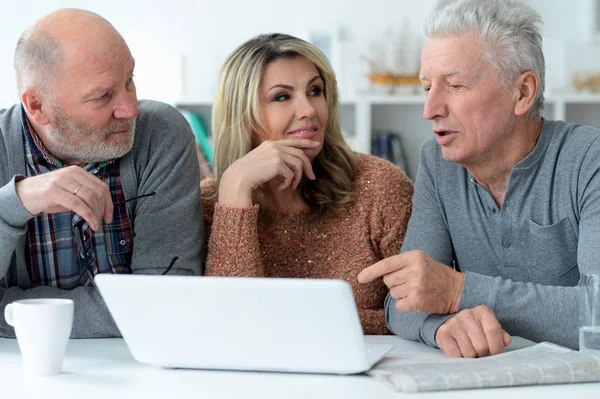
(381, 268)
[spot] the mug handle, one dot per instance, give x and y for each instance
(8, 314)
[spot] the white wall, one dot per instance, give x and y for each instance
(162, 33)
(566, 19)
(179, 45)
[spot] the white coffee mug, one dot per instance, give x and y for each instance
(43, 328)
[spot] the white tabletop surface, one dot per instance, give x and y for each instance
(104, 368)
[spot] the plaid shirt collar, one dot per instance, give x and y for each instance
(41, 155)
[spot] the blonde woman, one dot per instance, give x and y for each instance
(289, 198)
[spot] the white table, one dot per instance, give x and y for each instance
(104, 368)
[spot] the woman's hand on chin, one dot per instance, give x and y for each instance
(271, 159)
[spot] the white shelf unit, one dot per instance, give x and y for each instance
(403, 114)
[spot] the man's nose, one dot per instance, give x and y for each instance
(435, 105)
(127, 108)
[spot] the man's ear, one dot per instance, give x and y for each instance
(526, 90)
(35, 106)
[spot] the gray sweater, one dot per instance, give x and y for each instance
(168, 224)
(523, 260)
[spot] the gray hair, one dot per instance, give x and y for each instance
(37, 56)
(511, 37)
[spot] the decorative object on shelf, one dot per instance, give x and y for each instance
(392, 82)
(586, 81)
(394, 59)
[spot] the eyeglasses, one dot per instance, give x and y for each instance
(136, 197)
(87, 258)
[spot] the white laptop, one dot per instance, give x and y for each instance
(267, 324)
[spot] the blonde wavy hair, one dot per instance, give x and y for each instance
(236, 117)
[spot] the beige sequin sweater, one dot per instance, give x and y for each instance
(280, 244)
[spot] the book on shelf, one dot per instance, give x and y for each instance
(543, 363)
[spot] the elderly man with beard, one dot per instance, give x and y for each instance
(78, 194)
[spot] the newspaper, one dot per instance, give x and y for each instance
(544, 363)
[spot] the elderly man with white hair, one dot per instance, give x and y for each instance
(506, 211)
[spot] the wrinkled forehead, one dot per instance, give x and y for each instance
(453, 55)
(98, 66)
